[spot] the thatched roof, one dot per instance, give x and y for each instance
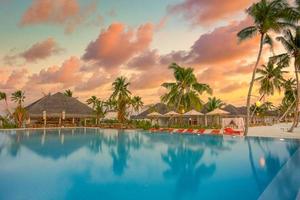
(55, 104)
(159, 107)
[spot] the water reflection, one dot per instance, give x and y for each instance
(178, 166)
(185, 166)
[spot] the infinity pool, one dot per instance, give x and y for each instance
(134, 165)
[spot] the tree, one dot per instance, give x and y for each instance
(291, 43)
(100, 110)
(20, 112)
(3, 97)
(121, 95)
(93, 100)
(289, 99)
(267, 16)
(68, 93)
(18, 97)
(214, 103)
(184, 93)
(137, 103)
(270, 80)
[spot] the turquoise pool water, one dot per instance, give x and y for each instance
(110, 164)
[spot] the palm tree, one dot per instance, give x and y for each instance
(68, 93)
(270, 79)
(291, 43)
(93, 100)
(18, 97)
(3, 97)
(111, 104)
(289, 99)
(267, 16)
(184, 93)
(137, 103)
(100, 110)
(214, 103)
(20, 112)
(121, 95)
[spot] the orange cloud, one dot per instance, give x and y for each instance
(41, 50)
(14, 79)
(68, 74)
(208, 11)
(115, 46)
(62, 12)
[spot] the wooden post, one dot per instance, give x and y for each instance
(45, 118)
(205, 120)
(73, 121)
(84, 122)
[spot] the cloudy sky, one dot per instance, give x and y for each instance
(53, 45)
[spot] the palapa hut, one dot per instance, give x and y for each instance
(58, 110)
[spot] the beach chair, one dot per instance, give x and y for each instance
(190, 131)
(201, 131)
(180, 131)
(230, 131)
(216, 131)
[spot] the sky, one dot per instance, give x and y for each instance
(84, 45)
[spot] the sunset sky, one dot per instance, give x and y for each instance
(83, 45)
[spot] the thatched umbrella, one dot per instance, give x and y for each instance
(171, 115)
(154, 115)
(218, 112)
(193, 113)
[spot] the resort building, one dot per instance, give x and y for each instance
(58, 110)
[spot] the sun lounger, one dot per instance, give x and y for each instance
(201, 131)
(230, 131)
(190, 130)
(215, 131)
(180, 131)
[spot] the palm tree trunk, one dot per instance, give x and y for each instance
(286, 112)
(296, 115)
(252, 83)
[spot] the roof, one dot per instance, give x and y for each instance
(218, 112)
(55, 104)
(193, 113)
(172, 113)
(159, 107)
(154, 114)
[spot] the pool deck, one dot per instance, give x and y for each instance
(275, 131)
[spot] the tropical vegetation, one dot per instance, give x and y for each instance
(184, 93)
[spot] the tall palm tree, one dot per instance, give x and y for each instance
(268, 15)
(68, 93)
(289, 99)
(93, 100)
(3, 97)
(20, 112)
(291, 43)
(214, 103)
(270, 80)
(184, 93)
(137, 103)
(18, 97)
(121, 95)
(100, 110)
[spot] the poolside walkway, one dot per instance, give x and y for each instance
(277, 130)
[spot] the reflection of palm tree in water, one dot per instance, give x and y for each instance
(96, 144)
(120, 155)
(14, 146)
(272, 162)
(184, 165)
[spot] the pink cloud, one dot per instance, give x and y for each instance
(41, 50)
(233, 87)
(11, 80)
(67, 74)
(222, 45)
(145, 60)
(61, 12)
(116, 45)
(98, 79)
(208, 11)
